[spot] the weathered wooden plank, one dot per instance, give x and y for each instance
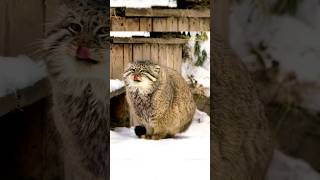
(26, 96)
(145, 24)
(159, 24)
(170, 55)
(194, 24)
(148, 12)
(222, 19)
(3, 26)
(137, 52)
(112, 12)
(204, 24)
(154, 53)
(117, 92)
(112, 57)
(178, 60)
(118, 24)
(163, 49)
(29, 17)
(146, 52)
(142, 40)
(172, 24)
(162, 24)
(127, 54)
(132, 24)
(183, 24)
(51, 9)
(117, 61)
(176, 54)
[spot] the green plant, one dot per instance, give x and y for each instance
(200, 55)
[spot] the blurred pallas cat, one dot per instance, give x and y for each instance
(76, 59)
(159, 99)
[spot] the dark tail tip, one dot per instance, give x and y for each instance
(140, 130)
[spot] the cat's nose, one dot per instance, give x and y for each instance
(136, 77)
(83, 52)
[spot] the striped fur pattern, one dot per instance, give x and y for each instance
(79, 88)
(159, 99)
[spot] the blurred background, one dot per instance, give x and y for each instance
(279, 42)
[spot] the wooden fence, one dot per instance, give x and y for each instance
(22, 24)
(160, 20)
(166, 52)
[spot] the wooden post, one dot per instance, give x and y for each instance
(221, 18)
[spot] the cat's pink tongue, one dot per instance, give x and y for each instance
(83, 53)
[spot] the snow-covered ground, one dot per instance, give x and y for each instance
(19, 72)
(284, 167)
(185, 157)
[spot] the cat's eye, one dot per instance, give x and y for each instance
(102, 30)
(74, 27)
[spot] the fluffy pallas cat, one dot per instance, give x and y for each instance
(159, 100)
(75, 49)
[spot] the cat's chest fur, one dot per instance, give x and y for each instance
(86, 117)
(142, 103)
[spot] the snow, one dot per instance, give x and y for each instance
(187, 156)
(284, 167)
(18, 73)
(200, 73)
(293, 41)
(142, 3)
(116, 84)
(129, 33)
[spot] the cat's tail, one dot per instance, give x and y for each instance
(140, 130)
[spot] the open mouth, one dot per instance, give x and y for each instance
(87, 60)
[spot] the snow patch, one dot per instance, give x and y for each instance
(129, 34)
(283, 167)
(116, 84)
(142, 3)
(293, 41)
(18, 73)
(187, 156)
(199, 73)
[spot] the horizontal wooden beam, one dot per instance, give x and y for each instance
(24, 97)
(159, 24)
(159, 20)
(117, 92)
(148, 12)
(30, 95)
(145, 40)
